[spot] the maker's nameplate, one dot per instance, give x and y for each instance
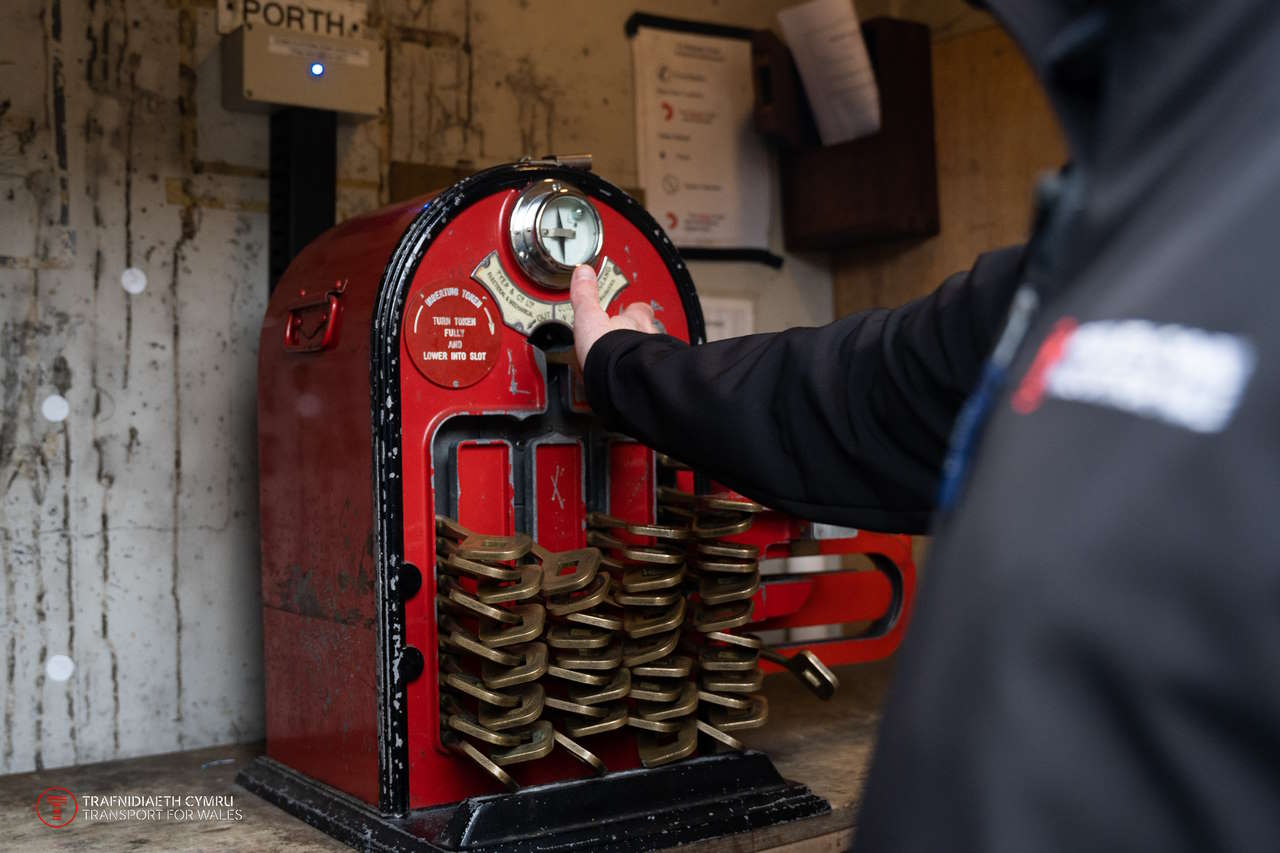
(523, 312)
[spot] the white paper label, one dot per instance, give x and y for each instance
(327, 52)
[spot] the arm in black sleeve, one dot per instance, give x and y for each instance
(847, 423)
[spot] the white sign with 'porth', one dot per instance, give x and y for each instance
(336, 18)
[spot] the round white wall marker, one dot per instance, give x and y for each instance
(55, 408)
(59, 668)
(133, 280)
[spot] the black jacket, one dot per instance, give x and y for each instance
(1094, 662)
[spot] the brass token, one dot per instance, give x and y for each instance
(568, 706)
(713, 525)
(670, 462)
(457, 564)
(478, 607)
(719, 617)
(531, 700)
(736, 703)
(457, 638)
(618, 687)
(583, 564)
(463, 747)
(675, 532)
(532, 618)
(578, 637)
(728, 720)
(725, 502)
(591, 678)
(474, 687)
(723, 566)
(539, 743)
(468, 725)
(563, 605)
(596, 619)
(450, 529)
(660, 726)
(711, 731)
(601, 539)
(749, 641)
(656, 750)
(608, 658)
(530, 666)
(603, 519)
(733, 682)
(581, 753)
(683, 706)
(679, 497)
(661, 598)
(654, 554)
(614, 719)
(728, 658)
(637, 652)
(675, 666)
(736, 550)
(481, 546)
(725, 589)
(649, 690)
(652, 578)
(495, 592)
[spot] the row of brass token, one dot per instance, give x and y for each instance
(493, 676)
(726, 577)
(649, 565)
(574, 644)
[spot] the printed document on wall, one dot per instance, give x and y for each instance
(826, 41)
(704, 169)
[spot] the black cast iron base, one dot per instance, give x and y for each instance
(634, 810)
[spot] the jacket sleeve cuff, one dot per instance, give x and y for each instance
(597, 371)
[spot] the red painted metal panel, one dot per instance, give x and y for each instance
(485, 492)
(301, 653)
(557, 486)
(827, 598)
(316, 504)
(631, 483)
(516, 387)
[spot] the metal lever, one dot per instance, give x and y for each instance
(805, 666)
(573, 161)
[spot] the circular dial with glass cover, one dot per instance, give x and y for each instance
(554, 227)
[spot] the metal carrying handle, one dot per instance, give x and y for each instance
(296, 339)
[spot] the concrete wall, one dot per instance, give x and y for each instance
(128, 530)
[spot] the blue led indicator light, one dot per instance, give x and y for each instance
(317, 69)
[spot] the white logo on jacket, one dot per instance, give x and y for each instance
(1182, 376)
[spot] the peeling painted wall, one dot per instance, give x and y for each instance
(128, 530)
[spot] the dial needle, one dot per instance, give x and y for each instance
(560, 222)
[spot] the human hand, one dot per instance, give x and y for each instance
(590, 322)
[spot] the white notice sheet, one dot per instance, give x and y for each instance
(827, 44)
(704, 169)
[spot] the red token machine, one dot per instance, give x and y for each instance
(415, 366)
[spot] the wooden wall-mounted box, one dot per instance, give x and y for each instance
(880, 187)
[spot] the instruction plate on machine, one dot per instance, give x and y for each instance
(451, 334)
(523, 312)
